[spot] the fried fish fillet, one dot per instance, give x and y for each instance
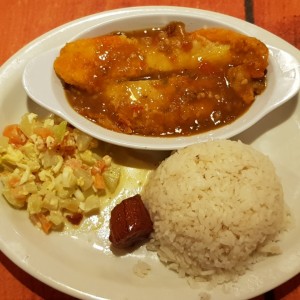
(87, 63)
(162, 78)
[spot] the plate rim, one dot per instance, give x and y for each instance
(27, 49)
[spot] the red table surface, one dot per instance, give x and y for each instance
(21, 21)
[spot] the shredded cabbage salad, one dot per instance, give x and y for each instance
(54, 172)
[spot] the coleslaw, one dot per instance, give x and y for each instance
(54, 171)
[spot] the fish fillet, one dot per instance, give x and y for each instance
(162, 79)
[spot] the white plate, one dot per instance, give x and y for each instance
(81, 264)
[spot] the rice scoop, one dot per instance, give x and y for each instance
(216, 208)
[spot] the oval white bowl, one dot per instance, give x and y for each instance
(43, 86)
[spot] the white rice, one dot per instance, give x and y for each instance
(215, 207)
(141, 269)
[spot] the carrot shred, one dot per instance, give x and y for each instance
(99, 167)
(15, 134)
(45, 224)
(43, 132)
(99, 183)
(13, 181)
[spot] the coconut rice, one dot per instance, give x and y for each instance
(216, 207)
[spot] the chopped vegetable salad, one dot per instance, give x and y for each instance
(54, 171)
